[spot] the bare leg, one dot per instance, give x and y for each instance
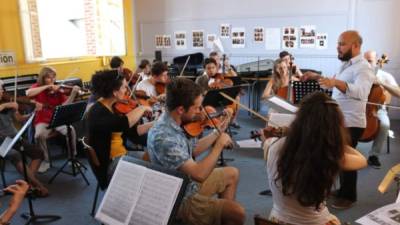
(32, 178)
(231, 177)
(232, 213)
(34, 166)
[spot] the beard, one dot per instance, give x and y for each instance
(346, 56)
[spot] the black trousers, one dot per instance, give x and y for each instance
(348, 179)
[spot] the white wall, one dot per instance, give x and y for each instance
(376, 20)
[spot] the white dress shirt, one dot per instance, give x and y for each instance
(359, 78)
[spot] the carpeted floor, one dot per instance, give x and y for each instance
(71, 198)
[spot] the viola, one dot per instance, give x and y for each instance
(209, 118)
(220, 82)
(268, 132)
(161, 86)
(128, 104)
(24, 103)
(143, 98)
(130, 76)
(125, 105)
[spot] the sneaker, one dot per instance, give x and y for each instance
(341, 203)
(235, 125)
(373, 161)
(44, 166)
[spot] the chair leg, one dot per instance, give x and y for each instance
(388, 144)
(3, 167)
(96, 195)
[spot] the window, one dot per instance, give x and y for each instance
(72, 28)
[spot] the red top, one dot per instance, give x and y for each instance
(49, 101)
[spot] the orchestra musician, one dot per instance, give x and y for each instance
(116, 63)
(105, 126)
(47, 95)
(210, 70)
(9, 112)
(169, 146)
(313, 152)
(230, 70)
(159, 75)
(351, 87)
(208, 78)
(144, 69)
(387, 81)
(289, 60)
(278, 85)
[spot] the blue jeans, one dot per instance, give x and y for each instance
(381, 137)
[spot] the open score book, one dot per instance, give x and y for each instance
(138, 196)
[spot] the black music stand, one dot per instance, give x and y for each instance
(301, 89)
(67, 115)
(215, 99)
(31, 217)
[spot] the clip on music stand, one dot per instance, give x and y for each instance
(215, 99)
(302, 89)
(67, 115)
(6, 146)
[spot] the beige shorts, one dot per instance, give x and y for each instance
(202, 208)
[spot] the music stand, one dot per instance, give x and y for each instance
(67, 115)
(301, 89)
(215, 99)
(7, 145)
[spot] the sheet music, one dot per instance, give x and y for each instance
(249, 143)
(386, 215)
(282, 105)
(157, 199)
(122, 193)
(3, 148)
(280, 119)
(398, 197)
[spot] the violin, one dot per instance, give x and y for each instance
(208, 118)
(128, 104)
(377, 96)
(24, 103)
(161, 86)
(268, 132)
(130, 77)
(220, 82)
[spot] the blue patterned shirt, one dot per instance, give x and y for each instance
(169, 147)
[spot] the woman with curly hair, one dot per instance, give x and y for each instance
(303, 166)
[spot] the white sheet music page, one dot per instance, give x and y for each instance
(157, 199)
(280, 119)
(282, 105)
(3, 148)
(122, 193)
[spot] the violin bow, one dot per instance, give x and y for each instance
(184, 66)
(247, 108)
(134, 87)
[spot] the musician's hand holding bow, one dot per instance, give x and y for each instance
(75, 89)
(223, 141)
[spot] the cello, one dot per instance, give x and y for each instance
(377, 96)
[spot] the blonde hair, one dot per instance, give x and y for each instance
(45, 72)
(276, 76)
